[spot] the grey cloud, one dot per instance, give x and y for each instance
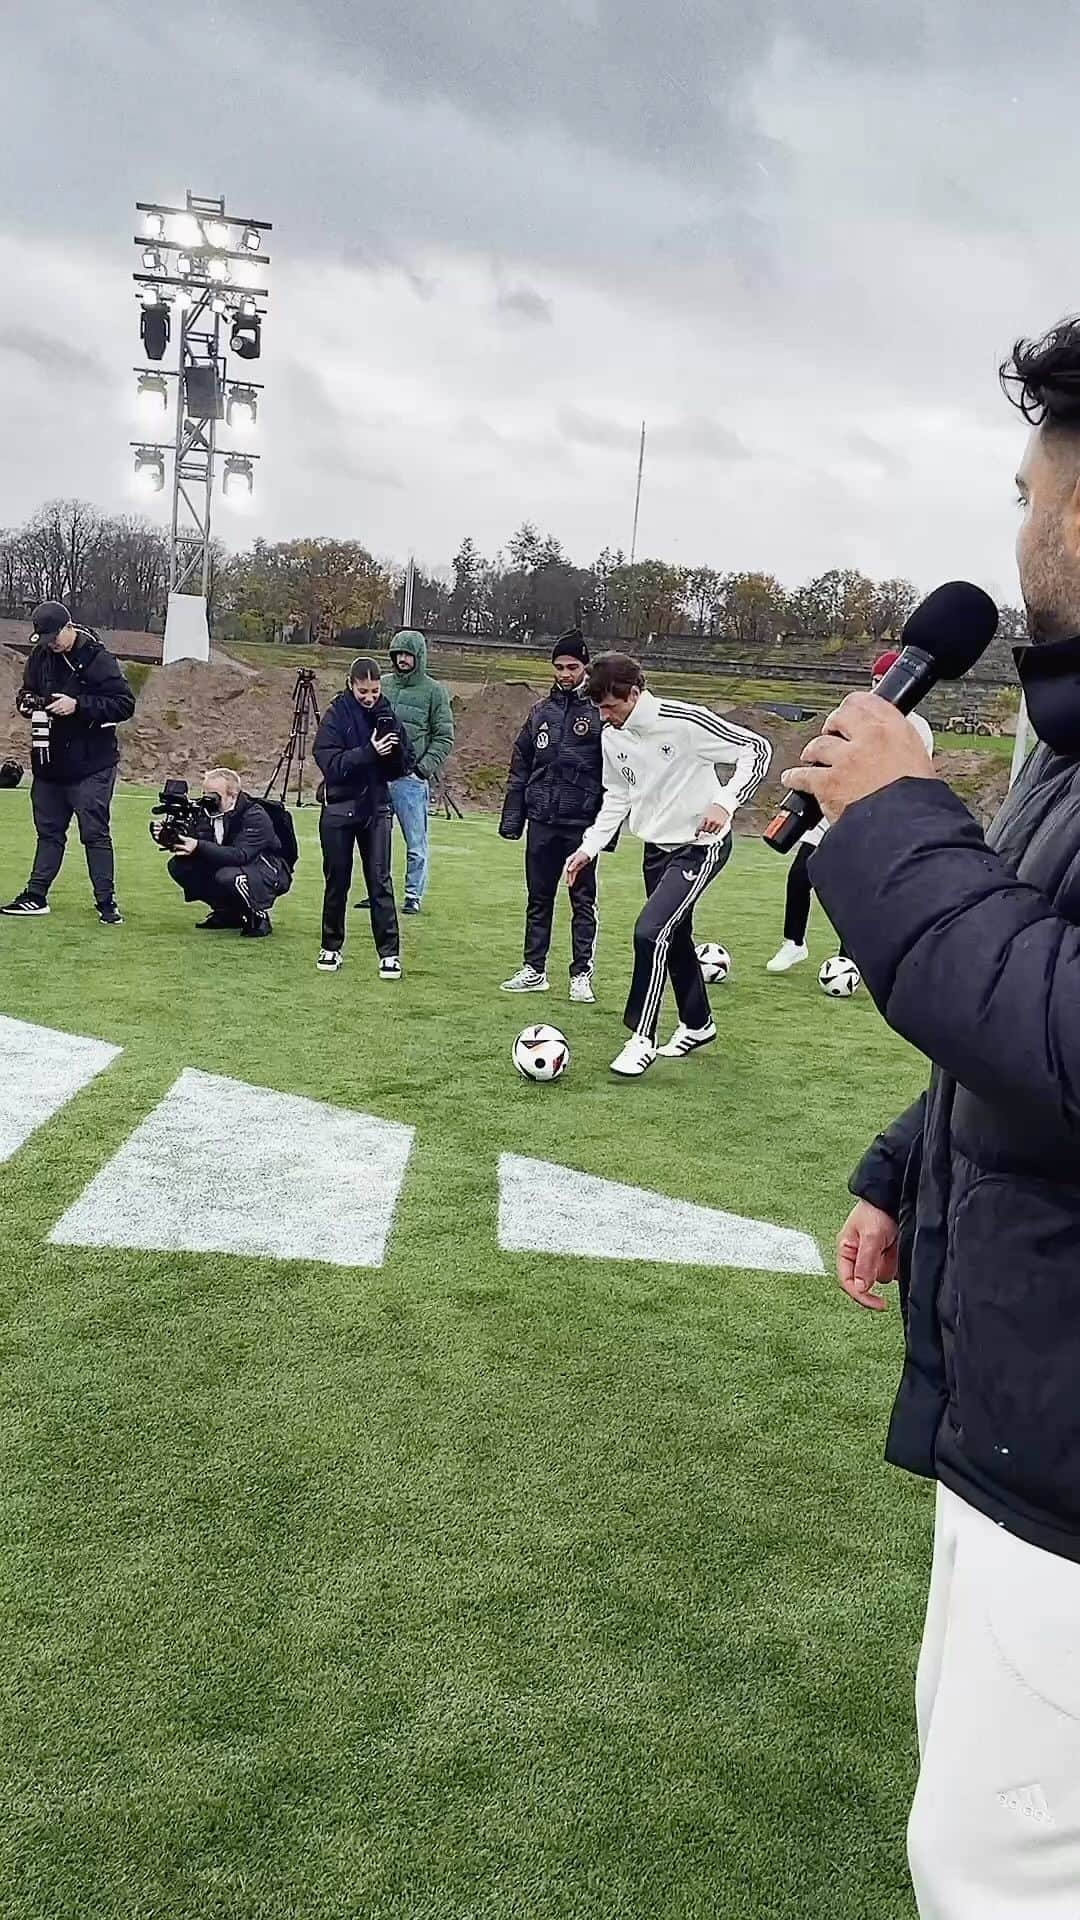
(524, 303)
(57, 358)
(590, 430)
(876, 453)
(696, 435)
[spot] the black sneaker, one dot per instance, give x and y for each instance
(259, 927)
(218, 923)
(25, 906)
(109, 913)
(362, 906)
(411, 904)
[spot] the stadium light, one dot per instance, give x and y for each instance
(149, 469)
(238, 482)
(246, 341)
(216, 268)
(250, 240)
(152, 398)
(155, 226)
(183, 264)
(242, 408)
(186, 230)
(216, 232)
(152, 260)
(155, 328)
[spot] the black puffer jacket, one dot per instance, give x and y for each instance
(84, 742)
(249, 840)
(556, 772)
(354, 775)
(974, 955)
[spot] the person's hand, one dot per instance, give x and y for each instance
(866, 1253)
(384, 742)
(714, 820)
(62, 706)
(576, 866)
(186, 846)
(863, 746)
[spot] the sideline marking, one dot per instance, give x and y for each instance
(40, 1071)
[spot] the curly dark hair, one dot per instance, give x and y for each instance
(1042, 377)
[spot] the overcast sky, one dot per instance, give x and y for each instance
(796, 238)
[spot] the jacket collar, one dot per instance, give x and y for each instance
(1050, 676)
(645, 715)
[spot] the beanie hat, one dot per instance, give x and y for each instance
(571, 646)
(883, 662)
(50, 619)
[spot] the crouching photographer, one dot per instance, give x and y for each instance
(234, 853)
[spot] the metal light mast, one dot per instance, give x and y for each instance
(200, 265)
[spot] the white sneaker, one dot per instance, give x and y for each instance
(686, 1040)
(636, 1057)
(526, 980)
(390, 969)
(791, 954)
(581, 989)
(329, 960)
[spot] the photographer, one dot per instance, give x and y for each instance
(239, 867)
(360, 747)
(75, 696)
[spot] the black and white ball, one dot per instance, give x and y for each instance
(839, 978)
(541, 1053)
(715, 962)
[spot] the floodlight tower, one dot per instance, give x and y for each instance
(201, 265)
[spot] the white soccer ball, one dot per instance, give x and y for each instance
(715, 962)
(839, 978)
(541, 1053)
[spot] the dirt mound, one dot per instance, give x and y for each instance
(14, 733)
(485, 728)
(981, 780)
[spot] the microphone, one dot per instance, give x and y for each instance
(942, 639)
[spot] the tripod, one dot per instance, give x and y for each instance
(442, 797)
(295, 751)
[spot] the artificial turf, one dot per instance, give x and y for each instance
(481, 1585)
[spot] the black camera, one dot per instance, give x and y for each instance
(180, 817)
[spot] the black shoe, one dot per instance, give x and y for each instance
(258, 927)
(109, 913)
(411, 904)
(26, 905)
(218, 923)
(362, 906)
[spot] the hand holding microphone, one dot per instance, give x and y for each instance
(861, 747)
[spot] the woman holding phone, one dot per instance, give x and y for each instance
(359, 748)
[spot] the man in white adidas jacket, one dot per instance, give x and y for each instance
(660, 773)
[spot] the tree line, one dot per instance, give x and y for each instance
(113, 571)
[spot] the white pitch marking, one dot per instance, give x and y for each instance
(549, 1209)
(40, 1071)
(221, 1167)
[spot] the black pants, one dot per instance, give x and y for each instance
(54, 805)
(340, 832)
(797, 899)
(215, 886)
(547, 850)
(664, 935)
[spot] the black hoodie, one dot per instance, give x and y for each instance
(84, 742)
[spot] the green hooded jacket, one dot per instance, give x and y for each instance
(421, 704)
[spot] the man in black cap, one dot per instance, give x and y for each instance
(75, 696)
(556, 785)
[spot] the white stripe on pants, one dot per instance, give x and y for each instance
(995, 1827)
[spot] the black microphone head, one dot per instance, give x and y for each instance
(954, 625)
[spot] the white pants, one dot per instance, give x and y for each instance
(995, 1828)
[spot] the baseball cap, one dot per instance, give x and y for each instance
(50, 619)
(882, 664)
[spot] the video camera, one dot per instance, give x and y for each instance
(180, 817)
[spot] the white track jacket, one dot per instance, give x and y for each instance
(660, 770)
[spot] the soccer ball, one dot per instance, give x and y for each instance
(715, 962)
(541, 1053)
(839, 978)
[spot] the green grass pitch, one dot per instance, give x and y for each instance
(481, 1586)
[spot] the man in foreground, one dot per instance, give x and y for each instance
(798, 892)
(422, 706)
(556, 785)
(242, 867)
(660, 762)
(75, 697)
(971, 949)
